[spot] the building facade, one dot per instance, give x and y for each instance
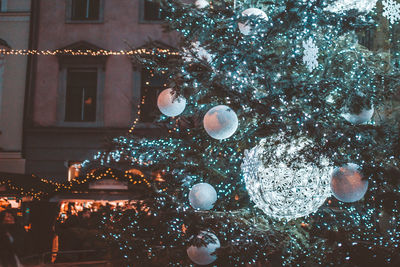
(74, 103)
(14, 34)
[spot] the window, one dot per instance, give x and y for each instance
(3, 5)
(81, 85)
(151, 11)
(152, 85)
(81, 95)
(366, 38)
(85, 10)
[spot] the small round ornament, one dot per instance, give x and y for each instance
(202, 255)
(202, 196)
(169, 104)
(347, 183)
(247, 27)
(363, 117)
(220, 122)
(201, 4)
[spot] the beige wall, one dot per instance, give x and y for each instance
(121, 24)
(50, 142)
(14, 29)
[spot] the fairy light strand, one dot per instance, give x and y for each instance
(88, 52)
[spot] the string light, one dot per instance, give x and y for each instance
(88, 52)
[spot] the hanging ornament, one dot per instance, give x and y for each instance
(220, 122)
(391, 10)
(247, 27)
(203, 255)
(364, 116)
(344, 5)
(201, 4)
(281, 190)
(169, 104)
(310, 58)
(196, 52)
(202, 196)
(347, 183)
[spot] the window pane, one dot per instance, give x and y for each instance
(152, 85)
(366, 38)
(85, 10)
(78, 9)
(80, 104)
(152, 10)
(90, 104)
(94, 9)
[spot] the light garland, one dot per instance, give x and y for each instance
(88, 52)
(35, 194)
(94, 175)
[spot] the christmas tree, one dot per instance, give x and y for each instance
(283, 139)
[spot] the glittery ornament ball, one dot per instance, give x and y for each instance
(203, 255)
(347, 183)
(220, 122)
(247, 27)
(202, 196)
(363, 117)
(169, 104)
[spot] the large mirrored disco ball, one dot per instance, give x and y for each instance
(280, 179)
(169, 104)
(220, 122)
(347, 183)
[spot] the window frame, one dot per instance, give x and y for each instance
(68, 16)
(84, 111)
(62, 95)
(3, 6)
(3, 61)
(142, 20)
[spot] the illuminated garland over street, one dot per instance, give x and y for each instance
(42, 189)
(69, 52)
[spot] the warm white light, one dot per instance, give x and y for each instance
(281, 189)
